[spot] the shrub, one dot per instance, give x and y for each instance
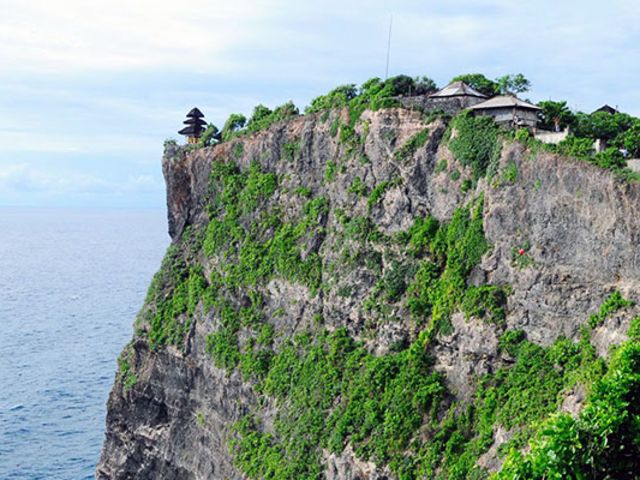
(412, 145)
(510, 172)
(263, 118)
(358, 187)
(210, 136)
(378, 193)
(601, 443)
(232, 126)
(611, 305)
(330, 171)
(487, 302)
(511, 340)
(476, 144)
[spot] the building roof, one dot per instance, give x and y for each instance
(191, 130)
(194, 112)
(458, 89)
(194, 121)
(607, 109)
(504, 101)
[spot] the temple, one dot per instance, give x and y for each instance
(195, 126)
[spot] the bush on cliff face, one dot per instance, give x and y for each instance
(476, 143)
(602, 442)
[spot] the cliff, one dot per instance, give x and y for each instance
(367, 299)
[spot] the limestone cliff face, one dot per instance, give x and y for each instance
(580, 226)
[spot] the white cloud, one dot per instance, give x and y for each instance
(79, 35)
(34, 140)
(24, 178)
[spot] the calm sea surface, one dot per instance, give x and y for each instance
(71, 283)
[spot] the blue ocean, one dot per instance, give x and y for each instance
(71, 283)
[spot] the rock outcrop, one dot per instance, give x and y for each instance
(578, 223)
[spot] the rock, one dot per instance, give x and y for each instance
(580, 224)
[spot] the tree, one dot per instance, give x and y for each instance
(285, 110)
(401, 85)
(259, 113)
(556, 114)
(602, 125)
(424, 85)
(234, 123)
(576, 147)
(336, 98)
(405, 85)
(479, 82)
(611, 158)
(513, 84)
(210, 136)
(630, 140)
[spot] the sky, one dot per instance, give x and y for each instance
(89, 90)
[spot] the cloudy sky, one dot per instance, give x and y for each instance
(90, 89)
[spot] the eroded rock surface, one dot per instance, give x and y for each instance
(580, 223)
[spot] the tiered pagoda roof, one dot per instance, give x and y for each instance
(195, 124)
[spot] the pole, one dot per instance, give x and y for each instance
(386, 71)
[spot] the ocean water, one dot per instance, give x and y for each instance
(71, 283)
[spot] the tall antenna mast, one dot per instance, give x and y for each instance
(386, 70)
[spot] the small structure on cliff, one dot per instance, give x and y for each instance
(509, 111)
(607, 109)
(465, 95)
(452, 99)
(195, 125)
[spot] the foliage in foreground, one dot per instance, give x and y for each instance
(603, 442)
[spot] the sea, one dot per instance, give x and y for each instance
(71, 283)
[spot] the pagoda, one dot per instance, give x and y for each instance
(195, 125)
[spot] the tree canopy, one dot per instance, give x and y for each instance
(479, 82)
(511, 83)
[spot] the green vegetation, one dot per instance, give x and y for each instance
(211, 136)
(173, 295)
(555, 114)
(200, 419)
(520, 256)
(358, 187)
(268, 246)
(619, 131)
(441, 167)
(372, 94)
(125, 369)
(334, 392)
(479, 82)
(254, 253)
(412, 145)
(510, 173)
(330, 171)
(379, 190)
(487, 301)
(440, 281)
(233, 126)
(261, 119)
(514, 398)
(611, 305)
(604, 440)
(476, 143)
(503, 85)
(290, 150)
